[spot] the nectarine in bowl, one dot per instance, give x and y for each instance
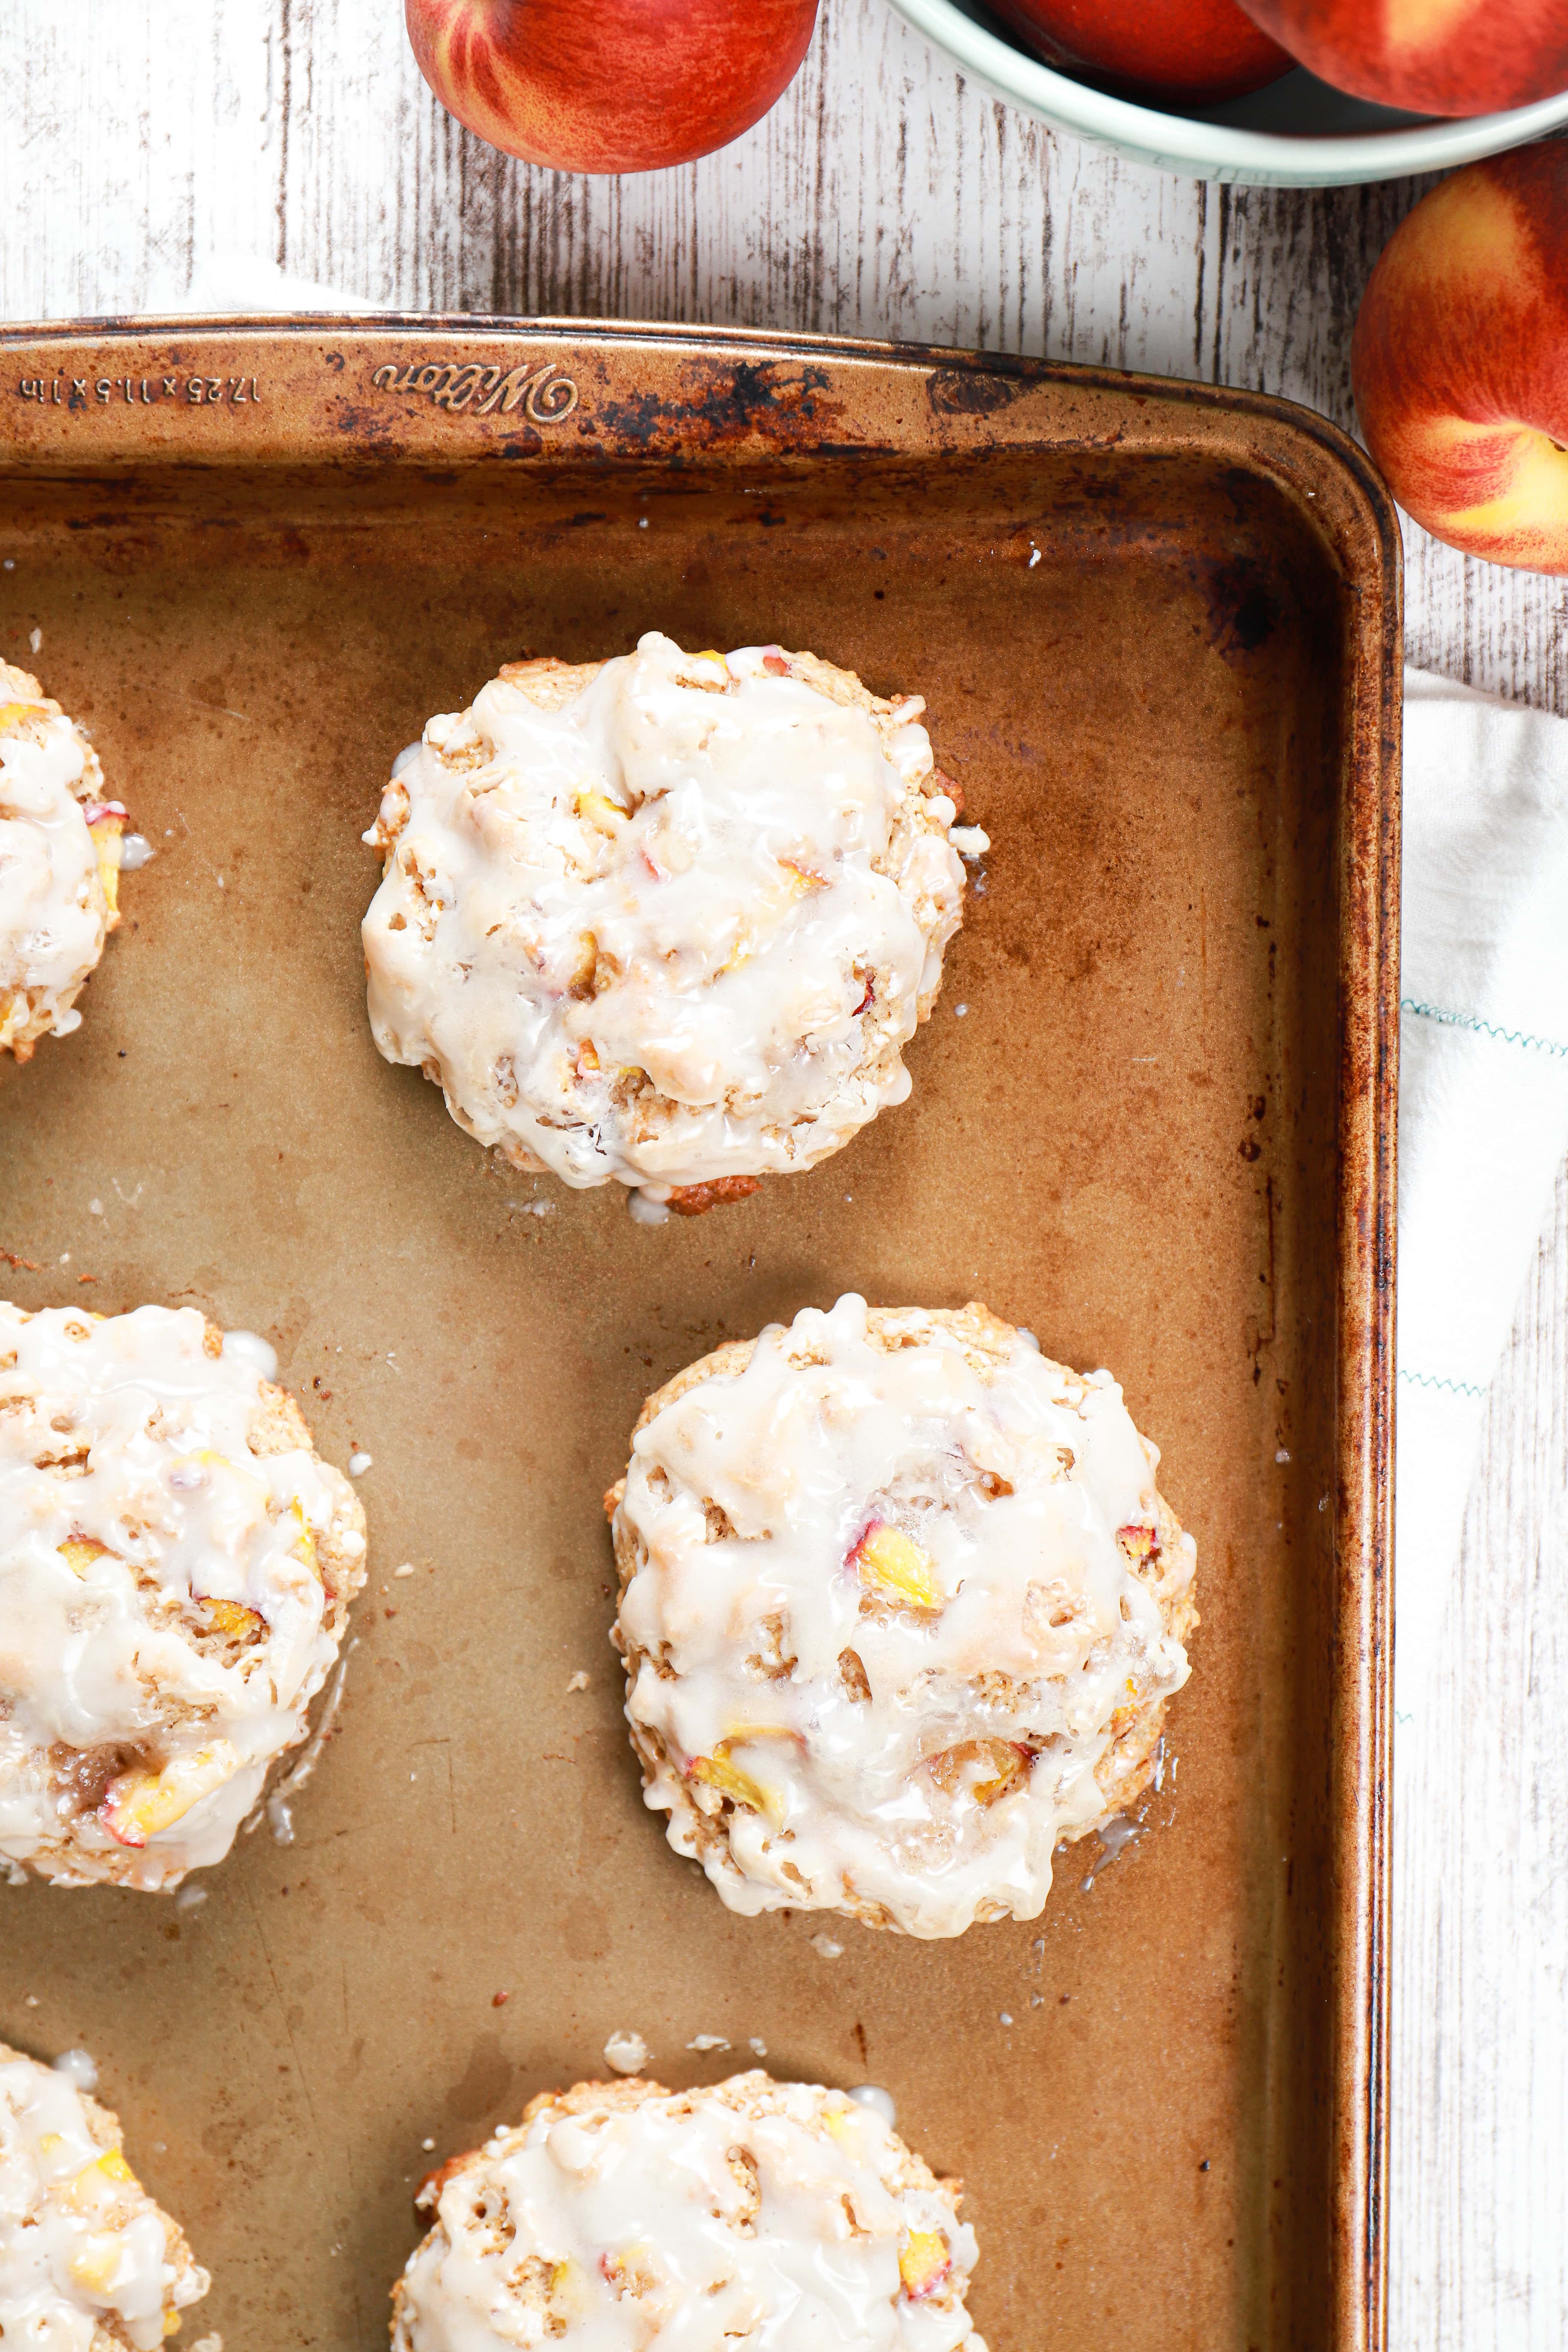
(1293, 132)
(1460, 361)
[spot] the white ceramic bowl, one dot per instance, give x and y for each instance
(1297, 133)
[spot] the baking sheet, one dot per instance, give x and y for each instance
(1157, 629)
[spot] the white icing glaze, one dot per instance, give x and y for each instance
(924, 1759)
(161, 1590)
(250, 1348)
(676, 930)
(82, 2245)
(627, 2053)
(56, 896)
(769, 2215)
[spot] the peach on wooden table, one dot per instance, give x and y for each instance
(616, 86)
(1431, 57)
(1460, 361)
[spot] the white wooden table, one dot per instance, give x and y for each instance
(175, 153)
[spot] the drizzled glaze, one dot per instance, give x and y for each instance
(666, 920)
(892, 1590)
(175, 1565)
(60, 863)
(777, 2215)
(86, 2256)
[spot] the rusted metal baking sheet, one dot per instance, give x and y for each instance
(1158, 631)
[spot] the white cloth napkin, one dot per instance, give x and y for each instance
(1483, 1099)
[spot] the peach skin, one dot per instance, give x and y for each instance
(1433, 56)
(1460, 361)
(614, 86)
(1193, 52)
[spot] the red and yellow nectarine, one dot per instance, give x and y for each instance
(1459, 360)
(1433, 56)
(609, 85)
(1195, 51)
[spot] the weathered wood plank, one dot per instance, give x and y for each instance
(885, 198)
(1481, 2041)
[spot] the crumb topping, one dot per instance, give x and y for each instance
(87, 2260)
(900, 1609)
(753, 2211)
(176, 1570)
(60, 863)
(668, 920)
